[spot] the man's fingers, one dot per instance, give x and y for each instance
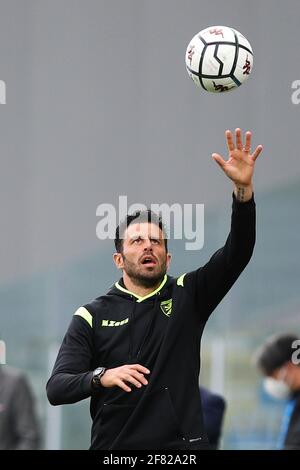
(122, 385)
(140, 368)
(238, 136)
(129, 378)
(257, 152)
(247, 142)
(136, 375)
(139, 377)
(220, 161)
(229, 139)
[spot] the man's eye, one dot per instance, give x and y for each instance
(155, 241)
(137, 240)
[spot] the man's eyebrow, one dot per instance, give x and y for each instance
(134, 237)
(152, 237)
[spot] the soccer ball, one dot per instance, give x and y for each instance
(219, 59)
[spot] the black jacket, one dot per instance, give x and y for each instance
(162, 332)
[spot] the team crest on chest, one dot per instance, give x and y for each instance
(166, 307)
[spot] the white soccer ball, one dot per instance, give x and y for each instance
(219, 59)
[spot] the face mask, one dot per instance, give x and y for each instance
(277, 388)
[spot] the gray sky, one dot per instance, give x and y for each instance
(99, 105)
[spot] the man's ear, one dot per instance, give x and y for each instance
(169, 257)
(118, 260)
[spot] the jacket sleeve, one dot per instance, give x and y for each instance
(72, 373)
(212, 281)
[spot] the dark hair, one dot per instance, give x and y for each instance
(276, 351)
(140, 217)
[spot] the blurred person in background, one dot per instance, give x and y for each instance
(278, 360)
(213, 407)
(18, 421)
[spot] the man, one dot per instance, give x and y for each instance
(18, 422)
(278, 359)
(145, 333)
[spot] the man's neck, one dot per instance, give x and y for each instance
(137, 289)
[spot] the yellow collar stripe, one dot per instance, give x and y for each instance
(138, 297)
(180, 280)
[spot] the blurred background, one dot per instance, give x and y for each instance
(98, 105)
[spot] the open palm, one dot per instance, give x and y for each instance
(240, 164)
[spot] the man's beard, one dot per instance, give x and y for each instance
(149, 279)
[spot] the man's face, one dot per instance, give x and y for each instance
(144, 258)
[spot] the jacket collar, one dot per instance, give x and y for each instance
(138, 297)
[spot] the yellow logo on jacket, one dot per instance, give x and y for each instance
(166, 307)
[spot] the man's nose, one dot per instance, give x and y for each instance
(147, 245)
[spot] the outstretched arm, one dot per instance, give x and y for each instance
(212, 281)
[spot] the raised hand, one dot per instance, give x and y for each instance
(240, 164)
